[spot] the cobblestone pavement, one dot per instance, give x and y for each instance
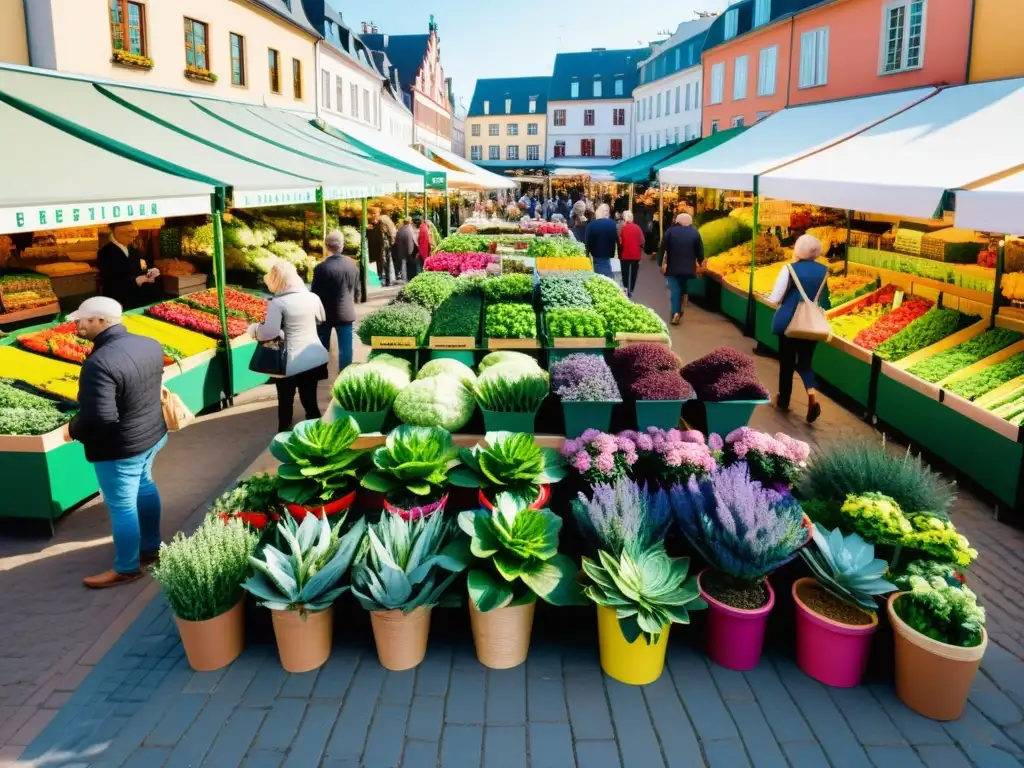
(139, 704)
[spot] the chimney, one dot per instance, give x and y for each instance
(365, 28)
(597, 50)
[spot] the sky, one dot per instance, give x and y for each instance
(518, 39)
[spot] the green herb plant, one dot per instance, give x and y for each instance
(429, 289)
(399, 320)
(558, 292)
(509, 288)
(458, 316)
(575, 323)
(364, 392)
(511, 389)
(510, 321)
(941, 608)
(414, 460)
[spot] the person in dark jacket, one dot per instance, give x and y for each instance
(120, 423)
(336, 282)
(407, 249)
(578, 224)
(680, 253)
(563, 206)
(797, 354)
(124, 274)
(380, 234)
(602, 238)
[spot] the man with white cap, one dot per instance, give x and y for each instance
(120, 423)
(123, 272)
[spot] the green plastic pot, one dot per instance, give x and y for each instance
(663, 414)
(465, 356)
(515, 421)
(368, 422)
(728, 415)
(579, 417)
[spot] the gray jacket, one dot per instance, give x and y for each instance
(406, 243)
(295, 315)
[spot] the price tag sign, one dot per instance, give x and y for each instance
(897, 300)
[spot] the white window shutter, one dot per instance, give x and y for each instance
(807, 44)
(822, 57)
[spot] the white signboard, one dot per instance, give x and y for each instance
(29, 218)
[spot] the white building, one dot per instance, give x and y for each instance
(590, 106)
(667, 101)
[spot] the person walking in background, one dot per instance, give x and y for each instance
(120, 423)
(294, 313)
(380, 235)
(422, 242)
(631, 250)
(407, 250)
(601, 239)
(679, 255)
(578, 225)
(797, 354)
(563, 207)
(336, 284)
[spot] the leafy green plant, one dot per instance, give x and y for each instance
(253, 494)
(722, 234)
(509, 288)
(364, 391)
(31, 421)
(575, 323)
(317, 460)
(985, 381)
(439, 400)
(603, 289)
(520, 359)
(625, 317)
(558, 292)
(847, 567)
(458, 316)
(943, 364)
(399, 320)
(201, 574)
(932, 327)
(446, 366)
(510, 321)
(511, 389)
(408, 564)
(306, 578)
(509, 462)
(413, 459)
(942, 609)
(554, 246)
(429, 289)
(518, 552)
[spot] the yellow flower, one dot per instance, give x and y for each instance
(53, 376)
(187, 342)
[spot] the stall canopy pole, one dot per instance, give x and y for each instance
(364, 257)
(661, 212)
(846, 255)
(749, 329)
(426, 208)
(220, 280)
(407, 205)
(447, 211)
(323, 224)
(1000, 254)
(631, 196)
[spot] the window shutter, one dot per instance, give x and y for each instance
(821, 76)
(739, 84)
(807, 44)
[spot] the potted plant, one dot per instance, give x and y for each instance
(403, 570)
(727, 386)
(836, 614)
(411, 470)
(744, 531)
(940, 639)
(300, 586)
(648, 374)
(510, 462)
(517, 561)
(366, 392)
(509, 396)
(254, 501)
(318, 466)
(201, 578)
(587, 390)
(665, 457)
(775, 462)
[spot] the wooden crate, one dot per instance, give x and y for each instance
(183, 286)
(82, 284)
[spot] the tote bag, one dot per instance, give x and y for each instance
(176, 415)
(271, 357)
(809, 320)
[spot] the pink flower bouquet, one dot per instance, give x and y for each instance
(774, 461)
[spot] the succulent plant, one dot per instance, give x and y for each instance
(317, 459)
(847, 567)
(414, 459)
(509, 461)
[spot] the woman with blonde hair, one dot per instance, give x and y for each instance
(579, 221)
(293, 314)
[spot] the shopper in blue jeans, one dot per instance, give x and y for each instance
(680, 254)
(336, 282)
(120, 423)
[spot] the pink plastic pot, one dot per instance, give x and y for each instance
(735, 636)
(413, 513)
(832, 653)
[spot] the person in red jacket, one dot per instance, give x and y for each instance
(423, 239)
(631, 249)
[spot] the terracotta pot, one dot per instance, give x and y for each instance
(543, 497)
(932, 678)
(299, 511)
(414, 513)
(401, 638)
(831, 652)
(502, 636)
(303, 642)
(735, 636)
(216, 642)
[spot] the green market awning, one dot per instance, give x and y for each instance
(637, 170)
(705, 144)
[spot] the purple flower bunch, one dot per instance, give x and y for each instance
(670, 456)
(633, 361)
(600, 457)
(584, 378)
(774, 461)
(623, 514)
(724, 374)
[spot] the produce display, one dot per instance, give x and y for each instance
(175, 268)
(584, 378)
(252, 246)
(575, 322)
(369, 387)
(459, 315)
(188, 343)
(1009, 406)
(25, 291)
(863, 313)
(61, 342)
(53, 376)
(457, 263)
(558, 292)
(846, 288)
(512, 387)
(554, 247)
(26, 413)
(973, 387)
(976, 349)
(722, 234)
(510, 321)
(892, 323)
(64, 269)
(238, 303)
(470, 243)
(564, 263)
(398, 320)
(932, 327)
(508, 288)
(184, 316)
(436, 399)
(429, 289)
(619, 313)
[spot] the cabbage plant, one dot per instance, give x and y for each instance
(509, 462)
(413, 459)
(317, 460)
(439, 400)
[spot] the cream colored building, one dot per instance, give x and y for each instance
(13, 40)
(260, 51)
(506, 127)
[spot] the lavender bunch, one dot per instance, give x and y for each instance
(624, 515)
(745, 531)
(584, 378)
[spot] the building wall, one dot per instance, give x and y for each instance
(996, 51)
(337, 67)
(77, 39)
(397, 121)
(603, 130)
(502, 141)
(13, 35)
(681, 125)
(432, 114)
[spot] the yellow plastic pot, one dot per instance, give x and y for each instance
(635, 663)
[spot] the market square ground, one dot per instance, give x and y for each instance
(99, 678)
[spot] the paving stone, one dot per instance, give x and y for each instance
(204, 682)
(943, 756)
(462, 746)
(263, 758)
(235, 737)
(803, 754)
(675, 732)
(550, 745)
(181, 712)
(426, 718)
(420, 754)
(147, 757)
(309, 744)
(783, 715)
(299, 686)
(760, 742)
(466, 696)
(281, 724)
(730, 684)
(637, 741)
(700, 696)
(196, 741)
(357, 712)
(506, 696)
(894, 757)
(982, 742)
(996, 706)
(915, 729)
(504, 746)
(598, 754)
(387, 733)
(432, 675)
(728, 753)
(263, 691)
(870, 724)
(588, 707)
(398, 687)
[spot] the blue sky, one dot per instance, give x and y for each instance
(520, 38)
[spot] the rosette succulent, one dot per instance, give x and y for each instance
(317, 460)
(415, 460)
(509, 462)
(847, 567)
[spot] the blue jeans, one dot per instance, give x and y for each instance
(134, 505)
(676, 291)
(603, 266)
(344, 331)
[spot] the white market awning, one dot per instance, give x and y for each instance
(906, 165)
(594, 174)
(997, 207)
(456, 163)
(52, 179)
(786, 136)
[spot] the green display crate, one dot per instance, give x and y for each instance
(763, 316)
(368, 422)
(734, 306)
(44, 484)
(916, 415)
(242, 379)
(663, 414)
(199, 386)
(711, 298)
(697, 286)
(724, 417)
(498, 421)
(850, 375)
(579, 417)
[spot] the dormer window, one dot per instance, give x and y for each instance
(597, 88)
(533, 105)
(574, 90)
(732, 20)
(762, 12)
(508, 106)
(487, 107)
(619, 87)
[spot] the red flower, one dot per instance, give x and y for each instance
(892, 323)
(196, 320)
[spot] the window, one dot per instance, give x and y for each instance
(678, 90)
(597, 88)
(366, 105)
(766, 71)
(353, 100)
(658, 110)
(476, 152)
(677, 135)
(619, 116)
(696, 95)
(128, 27)
(274, 63)
(512, 152)
(325, 89)
(717, 82)
(559, 117)
(195, 44)
(297, 81)
(714, 126)
(902, 35)
(559, 149)
(512, 129)
(813, 58)
(487, 107)
(658, 145)
(475, 130)
(588, 117)
(616, 149)
(638, 108)
(493, 129)
(619, 87)
(732, 20)
(650, 107)
(238, 61)
(739, 78)
(493, 152)
(587, 147)
(508, 106)
(574, 90)
(762, 115)
(533, 152)
(643, 144)
(532, 129)
(339, 92)
(678, 58)
(762, 12)
(687, 97)
(737, 122)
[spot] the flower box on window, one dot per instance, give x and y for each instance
(127, 59)
(200, 75)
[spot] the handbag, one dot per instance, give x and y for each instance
(176, 415)
(809, 321)
(271, 357)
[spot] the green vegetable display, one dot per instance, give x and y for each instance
(317, 460)
(984, 381)
(520, 359)
(395, 320)
(557, 292)
(1009, 406)
(25, 413)
(578, 323)
(510, 321)
(438, 400)
(512, 388)
(459, 243)
(429, 289)
(509, 288)
(554, 246)
(416, 460)
(943, 364)
(445, 366)
(932, 327)
(458, 316)
(722, 234)
(626, 317)
(364, 391)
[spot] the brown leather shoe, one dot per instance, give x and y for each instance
(110, 579)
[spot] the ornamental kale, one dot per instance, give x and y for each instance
(510, 321)
(938, 367)
(621, 515)
(666, 457)
(775, 462)
(458, 316)
(509, 288)
(413, 459)
(661, 385)
(723, 375)
(429, 289)
(558, 292)
(575, 323)
(936, 324)
(985, 381)
(584, 378)
(395, 320)
(745, 531)
(634, 360)
(510, 462)
(317, 460)
(942, 609)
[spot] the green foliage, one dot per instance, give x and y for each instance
(414, 459)
(509, 461)
(564, 292)
(458, 316)
(395, 320)
(366, 391)
(575, 323)
(429, 289)
(554, 246)
(518, 548)
(317, 460)
(306, 578)
(985, 381)
(619, 313)
(253, 494)
(510, 321)
(520, 359)
(201, 575)
(512, 389)
(938, 367)
(603, 289)
(400, 365)
(439, 400)
(942, 609)
(407, 564)
(722, 234)
(460, 243)
(932, 327)
(448, 367)
(846, 566)
(509, 288)
(26, 413)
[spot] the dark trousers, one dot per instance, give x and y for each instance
(795, 355)
(305, 383)
(630, 269)
(676, 291)
(384, 268)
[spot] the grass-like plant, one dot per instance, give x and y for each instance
(511, 389)
(365, 392)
